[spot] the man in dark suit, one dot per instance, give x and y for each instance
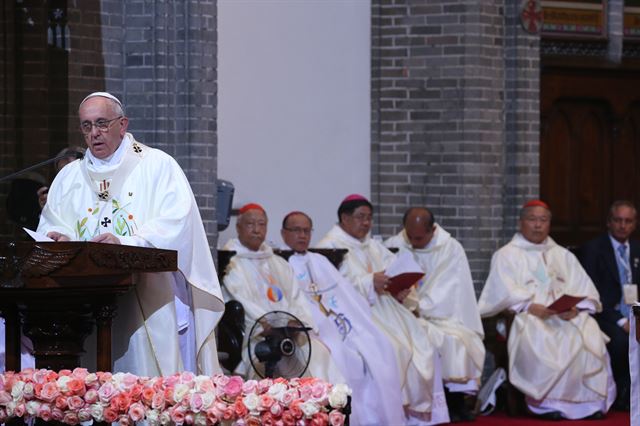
(613, 263)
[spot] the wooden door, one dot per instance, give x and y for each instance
(589, 148)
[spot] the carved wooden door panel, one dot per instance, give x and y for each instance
(589, 148)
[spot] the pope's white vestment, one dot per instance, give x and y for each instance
(559, 365)
(140, 194)
(345, 324)
(264, 282)
(445, 297)
(418, 361)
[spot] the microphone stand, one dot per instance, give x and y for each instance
(75, 154)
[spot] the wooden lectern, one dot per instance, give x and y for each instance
(55, 292)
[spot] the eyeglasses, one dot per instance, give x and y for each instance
(361, 217)
(303, 231)
(101, 124)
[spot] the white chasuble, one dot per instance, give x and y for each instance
(361, 351)
(264, 282)
(145, 200)
(419, 363)
(446, 299)
(560, 365)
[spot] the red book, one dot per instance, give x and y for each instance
(565, 302)
(403, 281)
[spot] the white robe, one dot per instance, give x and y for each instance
(264, 282)
(634, 368)
(559, 365)
(346, 327)
(420, 371)
(458, 325)
(149, 203)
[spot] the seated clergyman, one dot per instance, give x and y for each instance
(557, 359)
(447, 278)
(344, 319)
(363, 267)
(264, 282)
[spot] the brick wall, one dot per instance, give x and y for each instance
(454, 119)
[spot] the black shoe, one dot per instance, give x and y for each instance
(458, 411)
(552, 415)
(598, 415)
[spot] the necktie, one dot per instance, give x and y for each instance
(624, 270)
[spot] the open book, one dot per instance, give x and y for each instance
(565, 302)
(404, 272)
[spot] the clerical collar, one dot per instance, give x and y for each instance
(101, 165)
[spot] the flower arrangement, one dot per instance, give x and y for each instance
(76, 396)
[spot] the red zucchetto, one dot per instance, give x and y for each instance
(536, 203)
(251, 206)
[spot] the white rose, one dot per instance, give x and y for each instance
(309, 408)
(17, 390)
(251, 401)
(200, 419)
(180, 391)
(165, 418)
(97, 412)
(62, 383)
(152, 417)
(207, 400)
(338, 395)
(33, 407)
(277, 391)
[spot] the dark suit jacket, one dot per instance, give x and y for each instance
(598, 259)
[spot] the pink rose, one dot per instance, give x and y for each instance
(266, 401)
(75, 402)
(228, 414)
(27, 374)
(204, 384)
(40, 376)
(136, 411)
(128, 380)
(20, 410)
(70, 418)
(171, 381)
(49, 392)
(57, 414)
(267, 419)
(61, 402)
(110, 415)
(336, 418)
(76, 387)
(320, 419)
(147, 395)
(121, 402)
(295, 409)
(264, 385)
(106, 392)
(64, 372)
(288, 419)
(249, 386)
(276, 410)
(91, 381)
(212, 416)
(177, 415)
(44, 412)
(187, 377)
(305, 392)
(195, 403)
(220, 380)
(234, 386)
(80, 373)
(157, 403)
(5, 397)
(290, 396)
(91, 396)
(84, 414)
(124, 420)
(239, 408)
(104, 377)
(319, 390)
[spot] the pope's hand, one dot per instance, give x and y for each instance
(401, 295)
(380, 282)
(540, 311)
(106, 238)
(57, 236)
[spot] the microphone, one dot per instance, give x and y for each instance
(67, 153)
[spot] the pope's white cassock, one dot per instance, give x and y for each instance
(346, 327)
(559, 365)
(418, 361)
(264, 282)
(140, 194)
(457, 325)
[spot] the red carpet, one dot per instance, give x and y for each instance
(614, 418)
